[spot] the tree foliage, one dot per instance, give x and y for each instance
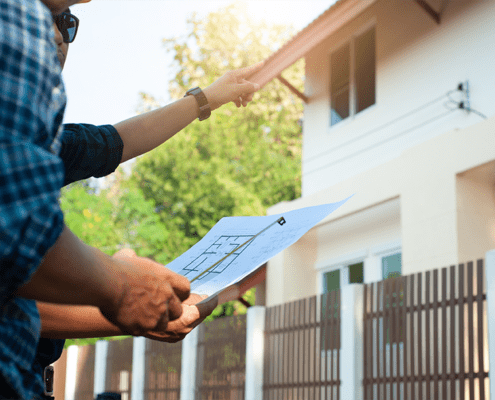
(239, 161)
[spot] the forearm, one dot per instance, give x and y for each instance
(73, 273)
(144, 132)
(71, 322)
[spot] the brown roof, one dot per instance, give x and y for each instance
(328, 22)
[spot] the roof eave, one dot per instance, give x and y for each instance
(329, 22)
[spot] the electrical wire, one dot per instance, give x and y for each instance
(379, 143)
(475, 112)
(381, 126)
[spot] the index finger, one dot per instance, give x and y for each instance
(247, 71)
(180, 284)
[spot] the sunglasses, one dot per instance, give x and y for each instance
(67, 24)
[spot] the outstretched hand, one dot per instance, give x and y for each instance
(233, 86)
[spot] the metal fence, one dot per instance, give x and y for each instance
(425, 336)
(221, 359)
(118, 376)
(302, 349)
(85, 373)
(163, 370)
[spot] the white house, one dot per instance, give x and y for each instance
(400, 110)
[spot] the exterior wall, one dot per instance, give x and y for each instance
(440, 185)
(476, 211)
(417, 62)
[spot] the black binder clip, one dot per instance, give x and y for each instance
(281, 221)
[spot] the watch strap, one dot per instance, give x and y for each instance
(204, 107)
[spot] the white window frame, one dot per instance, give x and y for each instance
(371, 259)
(340, 263)
(352, 81)
(384, 250)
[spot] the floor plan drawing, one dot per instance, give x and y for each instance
(218, 260)
(223, 246)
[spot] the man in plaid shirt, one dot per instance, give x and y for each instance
(40, 258)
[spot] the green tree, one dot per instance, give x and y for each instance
(238, 162)
(90, 217)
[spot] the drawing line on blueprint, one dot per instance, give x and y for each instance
(220, 248)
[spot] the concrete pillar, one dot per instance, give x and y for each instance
(138, 368)
(254, 353)
(351, 351)
(188, 368)
(70, 380)
(101, 352)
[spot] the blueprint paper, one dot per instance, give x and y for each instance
(230, 232)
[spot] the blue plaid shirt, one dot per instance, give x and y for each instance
(32, 102)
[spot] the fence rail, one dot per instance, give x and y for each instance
(221, 362)
(163, 370)
(85, 373)
(302, 349)
(119, 367)
(425, 336)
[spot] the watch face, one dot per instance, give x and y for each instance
(194, 91)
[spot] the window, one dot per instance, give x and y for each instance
(352, 82)
(333, 280)
(392, 266)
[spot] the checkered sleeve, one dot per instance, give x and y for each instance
(32, 102)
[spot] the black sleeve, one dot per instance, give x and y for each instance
(89, 150)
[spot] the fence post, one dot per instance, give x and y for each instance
(254, 353)
(138, 367)
(490, 305)
(351, 351)
(188, 367)
(71, 372)
(101, 351)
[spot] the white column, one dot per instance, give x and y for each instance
(101, 351)
(490, 304)
(71, 372)
(138, 367)
(372, 269)
(351, 351)
(254, 352)
(188, 368)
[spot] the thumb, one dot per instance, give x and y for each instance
(125, 253)
(247, 88)
(249, 70)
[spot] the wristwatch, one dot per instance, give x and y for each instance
(204, 107)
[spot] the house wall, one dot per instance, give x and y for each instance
(436, 200)
(475, 211)
(418, 61)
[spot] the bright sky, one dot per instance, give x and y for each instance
(118, 51)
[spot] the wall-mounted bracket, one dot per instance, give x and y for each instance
(435, 15)
(302, 96)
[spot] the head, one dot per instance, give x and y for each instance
(57, 6)
(65, 28)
